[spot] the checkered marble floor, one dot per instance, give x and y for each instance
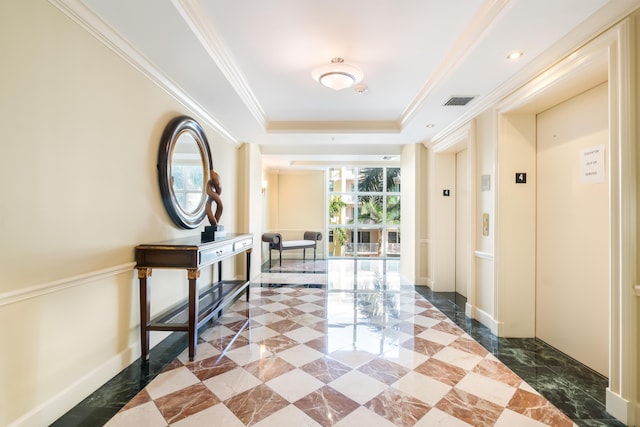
(317, 356)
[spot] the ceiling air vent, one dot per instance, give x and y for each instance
(459, 101)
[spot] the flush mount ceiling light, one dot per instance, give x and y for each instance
(514, 55)
(337, 75)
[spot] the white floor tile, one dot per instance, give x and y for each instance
(422, 387)
(290, 416)
(303, 334)
(247, 354)
(438, 336)
(267, 318)
(358, 386)
(217, 415)
(216, 332)
(510, 418)
(273, 307)
(307, 319)
(424, 321)
(230, 383)
(309, 307)
(203, 351)
(299, 355)
(173, 380)
(352, 358)
(295, 385)
(259, 333)
(437, 418)
(364, 417)
(458, 358)
(311, 298)
(405, 357)
(145, 415)
(486, 388)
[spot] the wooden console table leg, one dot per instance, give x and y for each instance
(248, 272)
(145, 312)
(220, 286)
(192, 332)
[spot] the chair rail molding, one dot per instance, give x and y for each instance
(35, 291)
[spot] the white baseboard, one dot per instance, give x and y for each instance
(483, 317)
(622, 409)
(56, 406)
(422, 281)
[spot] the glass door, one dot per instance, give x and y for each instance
(364, 212)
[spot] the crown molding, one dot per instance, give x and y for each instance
(599, 23)
(389, 126)
(192, 13)
(81, 14)
(481, 22)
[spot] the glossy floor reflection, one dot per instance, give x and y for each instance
(347, 343)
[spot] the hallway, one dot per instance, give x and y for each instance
(346, 343)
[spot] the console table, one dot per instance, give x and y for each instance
(190, 254)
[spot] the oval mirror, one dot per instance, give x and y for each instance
(184, 161)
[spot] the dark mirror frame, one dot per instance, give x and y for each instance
(174, 129)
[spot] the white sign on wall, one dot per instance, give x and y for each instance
(592, 165)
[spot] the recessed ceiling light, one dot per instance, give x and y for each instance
(515, 55)
(430, 125)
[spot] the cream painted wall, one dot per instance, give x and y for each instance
(81, 129)
(572, 261)
(297, 203)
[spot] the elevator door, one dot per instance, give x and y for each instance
(572, 255)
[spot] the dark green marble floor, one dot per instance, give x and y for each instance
(572, 387)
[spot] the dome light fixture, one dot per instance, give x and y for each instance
(337, 75)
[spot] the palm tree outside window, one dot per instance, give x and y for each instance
(364, 212)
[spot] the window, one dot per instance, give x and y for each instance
(364, 212)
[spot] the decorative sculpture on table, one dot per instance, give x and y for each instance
(213, 190)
